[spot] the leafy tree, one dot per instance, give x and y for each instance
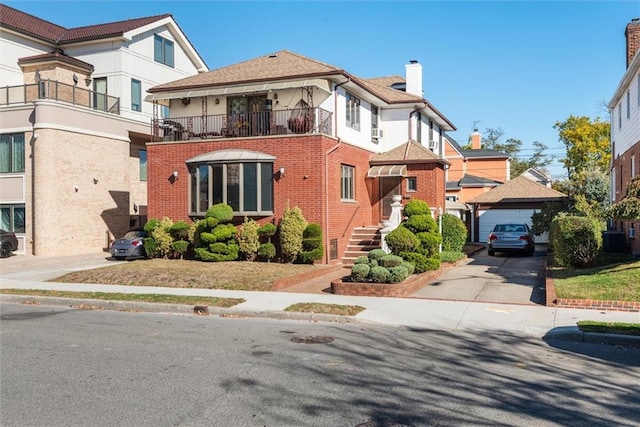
(588, 191)
(629, 207)
(538, 160)
(587, 142)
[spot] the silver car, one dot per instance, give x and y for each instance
(511, 238)
(131, 245)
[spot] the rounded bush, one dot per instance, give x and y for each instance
(454, 233)
(390, 261)
(402, 240)
(151, 225)
(419, 261)
(409, 266)
(379, 275)
(373, 263)
(576, 240)
(267, 230)
(420, 223)
(433, 263)
(359, 273)
(267, 251)
(429, 243)
(361, 260)
(313, 230)
(180, 247)
(221, 211)
(398, 274)
(180, 230)
(416, 207)
(150, 247)
(292, 227)
(224, 232)
(248, 240)
(376, 254)
(308, 257)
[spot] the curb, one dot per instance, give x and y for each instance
(572, 333)
(150, 307)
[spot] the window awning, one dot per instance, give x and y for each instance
(230, 155)
(381, 171)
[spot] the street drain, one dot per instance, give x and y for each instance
(317, 339)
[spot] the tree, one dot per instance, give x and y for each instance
(587, 143)
(629, 207)
(538, 160)
(588, 192)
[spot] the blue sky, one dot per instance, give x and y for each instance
(517, 65)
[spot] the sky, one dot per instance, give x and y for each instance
(520, 66)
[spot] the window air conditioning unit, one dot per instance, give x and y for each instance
(433, 144)
(376, 133)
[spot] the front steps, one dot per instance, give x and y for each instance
(361, 242)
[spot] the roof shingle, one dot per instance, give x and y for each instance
(520, 189)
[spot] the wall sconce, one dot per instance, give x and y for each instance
(95, 180)
(275, 96)
(75, 188)
(135, 208)
(186, 101)
(36, 136)
(75, 79)
(217, 101)
(87, 81)
(175, 174)
(281, 171)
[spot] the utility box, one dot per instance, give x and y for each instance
(614, 241)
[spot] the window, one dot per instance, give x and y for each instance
(165, 112)
(163, 50)
(142, 154)
(620, 115)
(136, 95)
(412, 184)
(100, 93)
(12, 153)
(12, 218)
(246, 187)
(633, 166)
(628, 105)
(353, 112)
(375, 133)
(347, 174)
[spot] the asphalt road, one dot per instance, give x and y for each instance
(66, 367)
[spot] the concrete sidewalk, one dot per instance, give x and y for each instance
(408, 312)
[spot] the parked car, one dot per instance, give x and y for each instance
(8, 243)
(511, 238)
(129, 246)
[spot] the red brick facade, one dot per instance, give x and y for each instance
(309, 181)
(624, 171)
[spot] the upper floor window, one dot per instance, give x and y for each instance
(142, 154)
(163, 50)
(165, 112)
(628, 105)
(620, 115)
(633, 166)
(136, 95)
(375, 130)
(347, 183)
(12, 153)
(353, 112)
(412, 184)
(246, 187)
(12, 218)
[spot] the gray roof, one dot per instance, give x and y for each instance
(475, 153)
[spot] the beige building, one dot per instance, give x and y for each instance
(74, 126)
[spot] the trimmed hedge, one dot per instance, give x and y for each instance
(576, 240)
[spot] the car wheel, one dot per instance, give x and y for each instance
(491, 253)
(5, 250)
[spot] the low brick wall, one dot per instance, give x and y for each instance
(552, 299)
(288, 281)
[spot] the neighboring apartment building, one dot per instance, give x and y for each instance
(74, 125)
(624, 110)
(286, 130)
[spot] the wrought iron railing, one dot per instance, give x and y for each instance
(281, 122)
(53, 89)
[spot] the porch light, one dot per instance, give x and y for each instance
(281, 171)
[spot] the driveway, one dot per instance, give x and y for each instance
(503, 278)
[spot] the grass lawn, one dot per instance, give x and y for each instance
(617, 277)
(610, 328)
(342, 310)
(235, 275)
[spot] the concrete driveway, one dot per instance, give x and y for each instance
(503, 278)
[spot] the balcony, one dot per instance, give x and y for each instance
(54, 90)
(264, 123)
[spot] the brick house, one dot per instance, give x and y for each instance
(624, 110)
(74, 125)
(283, 129)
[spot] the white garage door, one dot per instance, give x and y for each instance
(489, 218)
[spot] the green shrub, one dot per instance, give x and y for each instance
(224, 232)
(389, 261)
(312, 249)
(451, 256)
(221, 211)
(576, 240)
(454, 233)
(359, 273)
(402, 240)
(180, 230)
(398, 273)
(416, 207)
(376, 254)
(419, 261)
(267, 231)
(373, 263)
(292, 227)
(362, 259)
(162, 237)
(420, 223)
(267, 251)
(218, 252)
(248, 239)
(151, 225)
(180, 247)
(409, 266)
(312, 230)
(210, 222)
(433, 263)
(150, 247)
(429, 243)
(379, 275)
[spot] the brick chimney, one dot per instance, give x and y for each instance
(632, 33)
(413, 72)
(476, 141)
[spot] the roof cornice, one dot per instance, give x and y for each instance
(626, 81)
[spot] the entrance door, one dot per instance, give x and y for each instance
(389, 187)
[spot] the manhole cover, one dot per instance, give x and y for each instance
(318, 339)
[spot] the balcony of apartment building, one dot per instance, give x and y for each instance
(296, 121)
(57, 91)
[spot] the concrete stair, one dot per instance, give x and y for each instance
(361, 242)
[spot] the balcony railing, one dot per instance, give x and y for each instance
(53, 89)
(264, 123)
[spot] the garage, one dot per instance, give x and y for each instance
(514, 201)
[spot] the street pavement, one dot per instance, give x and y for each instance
(445, 311)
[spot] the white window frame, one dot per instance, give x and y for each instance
(347, 183)
(352, 117)
(410, 188)
(163, 51)
(136, 95)
(15, 164)
(628, 105)
(143, 164)
(11, 208)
